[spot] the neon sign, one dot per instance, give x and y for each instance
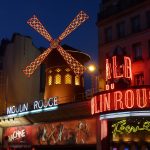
(118, 71)
(37, 106)
(117, 68)
(121, 100)
(122, 127)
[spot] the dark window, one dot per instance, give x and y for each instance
(108, 34)
(137, 51)
(139, 79)
(135, 21)
(1, 65)
(149, 48)
(148, 18)
(121, 29)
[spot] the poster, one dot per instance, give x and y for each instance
(58, 133)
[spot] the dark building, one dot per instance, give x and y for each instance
(125, 24)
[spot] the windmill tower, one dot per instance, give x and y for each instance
(57, 50)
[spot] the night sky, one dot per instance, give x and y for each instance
(55, 15)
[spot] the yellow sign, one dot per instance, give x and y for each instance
(122, 127)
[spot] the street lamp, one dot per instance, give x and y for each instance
(91, 69)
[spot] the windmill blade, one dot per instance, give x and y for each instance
(37, 25)
(77, 68)
(77, 21)
(29, 70)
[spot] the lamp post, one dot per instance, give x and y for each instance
(91, 69)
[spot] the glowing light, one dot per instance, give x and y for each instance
(72, 62)
(129, 98)
(112, 86)
(127, 68)
(115, 69)
(120, 100)
(121, 127)
(37, 25)
(77, 21)
(29, 70)
(77, 80)
(57, 79)
(107, 87)
(141, 99)
(124, 114)
(107, 102)
(108, 70)
(91, 68)
(49, 80)
(68, 79)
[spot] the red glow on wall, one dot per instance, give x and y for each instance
(121, 100)
(104, 129)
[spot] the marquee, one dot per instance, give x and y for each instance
(129, 99)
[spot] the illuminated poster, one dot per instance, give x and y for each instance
(137, 129)
(58, 133)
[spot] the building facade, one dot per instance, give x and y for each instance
(126, 24)
(17, 88)
(124, 27)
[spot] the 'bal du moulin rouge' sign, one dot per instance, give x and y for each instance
(121, 100)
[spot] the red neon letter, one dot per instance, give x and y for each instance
(108, 70)
(127, 68)
(118, 99)
(106, 102)
(107, 87)
(115, 70)
(129, 96)
(92, 106)
(100, 102)
(141, 99)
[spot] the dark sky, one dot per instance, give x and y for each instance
(55, 16)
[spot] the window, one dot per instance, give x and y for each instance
(49, 80)
(58, 70)
(148, 18)
(57, 79)
(135, 21)
(137, 51)
(108, 34)
(67, 69)
(77, 80)
(139, 79)
(68, 79)
(1, 65)
(121, 29)
(50, 71)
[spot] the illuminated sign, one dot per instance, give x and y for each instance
(116, 68)
(18, 134)
(81, 131)
(121, 100)
(118, 71)
(37, 106)
(122, 127)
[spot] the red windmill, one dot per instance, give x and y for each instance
(34, 22)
